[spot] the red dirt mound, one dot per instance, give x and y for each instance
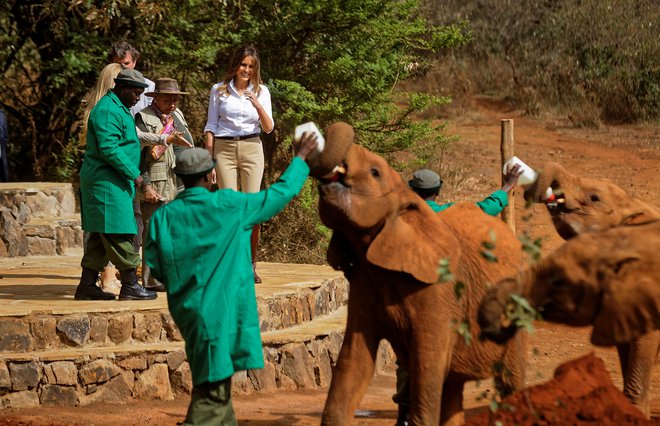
(581, 393)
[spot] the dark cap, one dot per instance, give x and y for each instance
(132, 78)
(425, 179)
(193, 161)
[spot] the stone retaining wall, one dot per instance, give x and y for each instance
(45, 331)
(38, 219)
(162, 375)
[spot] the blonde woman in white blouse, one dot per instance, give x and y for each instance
(239, 110)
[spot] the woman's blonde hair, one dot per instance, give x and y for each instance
(105, 82)
(235, 64)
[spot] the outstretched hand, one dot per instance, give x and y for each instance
(511, 177)
(307, 145)
(177, 138)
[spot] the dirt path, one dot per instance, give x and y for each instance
(629, 155)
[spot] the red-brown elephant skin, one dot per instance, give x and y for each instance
(389, 243)
(590, 205)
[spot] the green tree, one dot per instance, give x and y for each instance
(324, 61)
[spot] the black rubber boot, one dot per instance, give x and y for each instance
(402, 418)
(88, 290)
(131, 289)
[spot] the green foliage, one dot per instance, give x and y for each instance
(520, 313)
(460, 290)
(444, 271)
(463, 330)
(598, 60)
(531, 246)
(324, 61)
(488, 247)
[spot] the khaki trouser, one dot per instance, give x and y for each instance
(236, 160)
(210, 405)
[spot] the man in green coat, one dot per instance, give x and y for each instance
(108, 176)
(198, 246)
(427, 183)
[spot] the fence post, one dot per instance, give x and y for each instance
(506, 152)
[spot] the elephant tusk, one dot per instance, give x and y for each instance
(334, 174)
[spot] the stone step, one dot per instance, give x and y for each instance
(39, 312)
(299, 358)
(55, 350)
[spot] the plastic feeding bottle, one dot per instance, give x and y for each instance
(310, 127)
(528, 175)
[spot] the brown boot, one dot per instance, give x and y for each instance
(257, 278)
(254, 243)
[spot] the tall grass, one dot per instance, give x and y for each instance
(593, 60)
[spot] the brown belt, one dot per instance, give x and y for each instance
(237, 138)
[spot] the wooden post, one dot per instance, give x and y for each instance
(506, 152)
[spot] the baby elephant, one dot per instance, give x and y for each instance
(389, 244)
(608, 279)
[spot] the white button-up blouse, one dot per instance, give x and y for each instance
(234, 115)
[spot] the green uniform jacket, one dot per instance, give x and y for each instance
(491, 205)
(199, 247)
(111, 163)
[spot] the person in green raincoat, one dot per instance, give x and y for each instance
(108, 176)
(198, 246)
(427, 183)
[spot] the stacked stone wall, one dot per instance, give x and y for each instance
(38, 219)
(77, 359)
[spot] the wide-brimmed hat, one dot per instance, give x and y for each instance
(131, 77)
(425, 179)
(193, 161)
(166, 86)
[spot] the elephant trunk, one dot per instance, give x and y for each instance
(551, 172)
(493, 316)
(339, 139)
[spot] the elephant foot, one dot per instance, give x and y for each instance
(643, 407)
(457, 419)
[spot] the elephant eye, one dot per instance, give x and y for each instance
(375, 172)
(556, 282)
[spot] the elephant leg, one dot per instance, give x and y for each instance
(514, 361)
(637, 359)
(428, 370)
(350, 377)
(451, 411)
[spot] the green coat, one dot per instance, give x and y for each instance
(110, 165)
(491, 205)
(199, 247)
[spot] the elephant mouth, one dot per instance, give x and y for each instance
(561, 217)
(335, 195)
(337, 175)
(566, 229)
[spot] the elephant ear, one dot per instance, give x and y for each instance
(406, 243)
(630, 306)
